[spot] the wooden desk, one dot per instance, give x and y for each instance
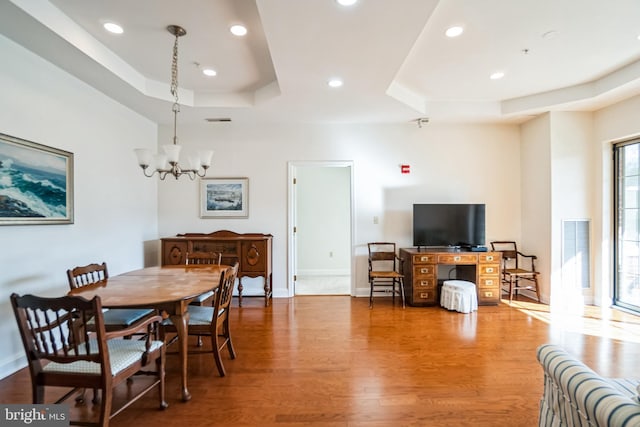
(168, 289)
(252, 250)
(422, 278)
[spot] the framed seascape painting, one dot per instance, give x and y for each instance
(36, 183)
(224, 197)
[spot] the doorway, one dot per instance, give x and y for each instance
(320, 232)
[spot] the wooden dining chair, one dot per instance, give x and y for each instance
(385, 270)
(197, 258)
(62, 351)
(200, 258)
(212, 321)
(518, 270)
(95, 274)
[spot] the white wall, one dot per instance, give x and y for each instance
(616, 123)
(535, 172)
(115, 207)
(449, 163)
(572, 160)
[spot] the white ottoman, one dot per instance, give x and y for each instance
(459, 295)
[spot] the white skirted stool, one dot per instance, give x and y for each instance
(459, 295)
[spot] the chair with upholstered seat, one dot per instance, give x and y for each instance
(199, 258)
(114, 318)
(385, 270)
(213, 321)
(518, 270)
(63, 351)
(196, 258)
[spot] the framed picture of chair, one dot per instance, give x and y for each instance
(36, 183)
(224, 197)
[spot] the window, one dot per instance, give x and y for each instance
(626, 157)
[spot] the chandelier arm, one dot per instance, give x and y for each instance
(144, 171)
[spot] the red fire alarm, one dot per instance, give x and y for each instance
(405, 169)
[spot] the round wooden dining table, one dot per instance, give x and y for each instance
(168, 289)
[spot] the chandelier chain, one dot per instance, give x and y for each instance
(174, 71)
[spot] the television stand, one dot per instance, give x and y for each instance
(421, 276)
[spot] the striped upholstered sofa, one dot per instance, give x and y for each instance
(575, 395)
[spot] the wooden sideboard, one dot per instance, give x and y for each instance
(252, 250)
(424, 272)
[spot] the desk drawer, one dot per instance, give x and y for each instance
(424, 296)
(489, 257)
(489, 269)
(457, 259)
(491, 282)
(424, 283)
(424, 259)
(488, 296)
(423, 270)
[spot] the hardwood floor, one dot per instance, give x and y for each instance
(331, 361)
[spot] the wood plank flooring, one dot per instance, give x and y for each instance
(331, 361)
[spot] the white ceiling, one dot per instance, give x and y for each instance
(395, 61)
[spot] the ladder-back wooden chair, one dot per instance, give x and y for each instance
(62, 351)
(213, 321)
(518, 270)
(385, 270)
(196, 258)
(199, 258)
(114, 318)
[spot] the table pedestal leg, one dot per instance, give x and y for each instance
(181, 322)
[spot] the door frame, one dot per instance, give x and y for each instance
(292, 167)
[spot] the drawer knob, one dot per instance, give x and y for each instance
(424, 259)
(489, 282)
(424, 270)
(488, 294)
(456, 258)
(490, 270)
(424, 295)
(490, 258)
(424, 283)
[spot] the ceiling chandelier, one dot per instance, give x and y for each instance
(167, 162)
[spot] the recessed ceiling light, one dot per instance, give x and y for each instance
(238, 30)
(454, 31)
(113, 28)
(347, 2)
(210, 72)
(335, 83)
(497, 75)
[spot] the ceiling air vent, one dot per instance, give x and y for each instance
(218, 119)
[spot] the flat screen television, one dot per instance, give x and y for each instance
(458, 225)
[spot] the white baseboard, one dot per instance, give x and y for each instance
(325, 272)
(12, 365)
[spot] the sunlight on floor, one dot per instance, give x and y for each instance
(323, 285)
(596, 321)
